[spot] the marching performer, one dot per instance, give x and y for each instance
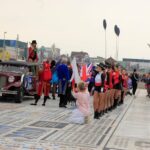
(117, 78)
(44, 83)
(107, 89)
(112, 91)
(98, 92)
(124, 84)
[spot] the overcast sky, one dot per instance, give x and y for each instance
(76, 25)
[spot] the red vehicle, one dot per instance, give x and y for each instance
(18, 79)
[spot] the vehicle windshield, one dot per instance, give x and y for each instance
(11, 68)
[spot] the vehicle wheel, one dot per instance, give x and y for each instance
(20, 95)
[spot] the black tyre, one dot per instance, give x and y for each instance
(20, 95)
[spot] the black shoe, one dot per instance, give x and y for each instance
(43, 104)
(62, 106)
(54, 98)
(96, 115)
(106, 111)
(109, 109)
(48, 97)
(115, 104)
(33, 104)
(45, 99)
(100, 114)
(37, 97)
(121, 102)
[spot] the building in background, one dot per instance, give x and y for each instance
(55, 52)
(111, 61)
(97, 60)
(81, 57)
(13, 49)
(49, 52)
(142, 65)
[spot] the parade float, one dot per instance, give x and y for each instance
(18, 79)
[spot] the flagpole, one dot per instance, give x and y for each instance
(105, 46)
(105, 26)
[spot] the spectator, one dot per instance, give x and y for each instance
(135, 79)
(82, 113)
(147, 84)
(54, 81)
(63, 77)
(129, 85)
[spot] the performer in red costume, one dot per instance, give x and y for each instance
(44, 83)
(112, 91)
(32, 52)
(108, 87)
(117, 78)
(124, 85)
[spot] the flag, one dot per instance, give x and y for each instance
(89, 69)
(75, 74)
(86, 71)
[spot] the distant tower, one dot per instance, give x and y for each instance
(53, 51)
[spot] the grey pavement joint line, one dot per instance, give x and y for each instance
(119, 122)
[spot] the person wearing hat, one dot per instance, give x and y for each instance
(117, 79)
(112, 91)
(107, 88)
(98, 92)
(104, 93)
(32, 52)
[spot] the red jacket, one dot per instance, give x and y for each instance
(110, 80)
(116, 77)
(31, 54)
(125, 81)
(47, 74)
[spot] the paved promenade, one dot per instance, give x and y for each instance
(25, 127)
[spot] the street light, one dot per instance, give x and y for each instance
(17, 48)
(105, 26)
(117, 32)
(4, 46)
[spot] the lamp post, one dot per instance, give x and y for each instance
(17, 48)
(117, 32)
(4, 46)
(105, 26)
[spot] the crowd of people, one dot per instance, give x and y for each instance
(107, 84)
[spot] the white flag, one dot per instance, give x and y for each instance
(75, 74)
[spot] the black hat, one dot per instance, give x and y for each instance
(118, 65)
(34, 42)
(101, 66)
(108, 65)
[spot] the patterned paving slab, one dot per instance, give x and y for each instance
(49, 124)
(27, 133)
(133, 132)
(47, 128)
(5, 129)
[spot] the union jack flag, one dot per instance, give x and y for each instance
(85, 72)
